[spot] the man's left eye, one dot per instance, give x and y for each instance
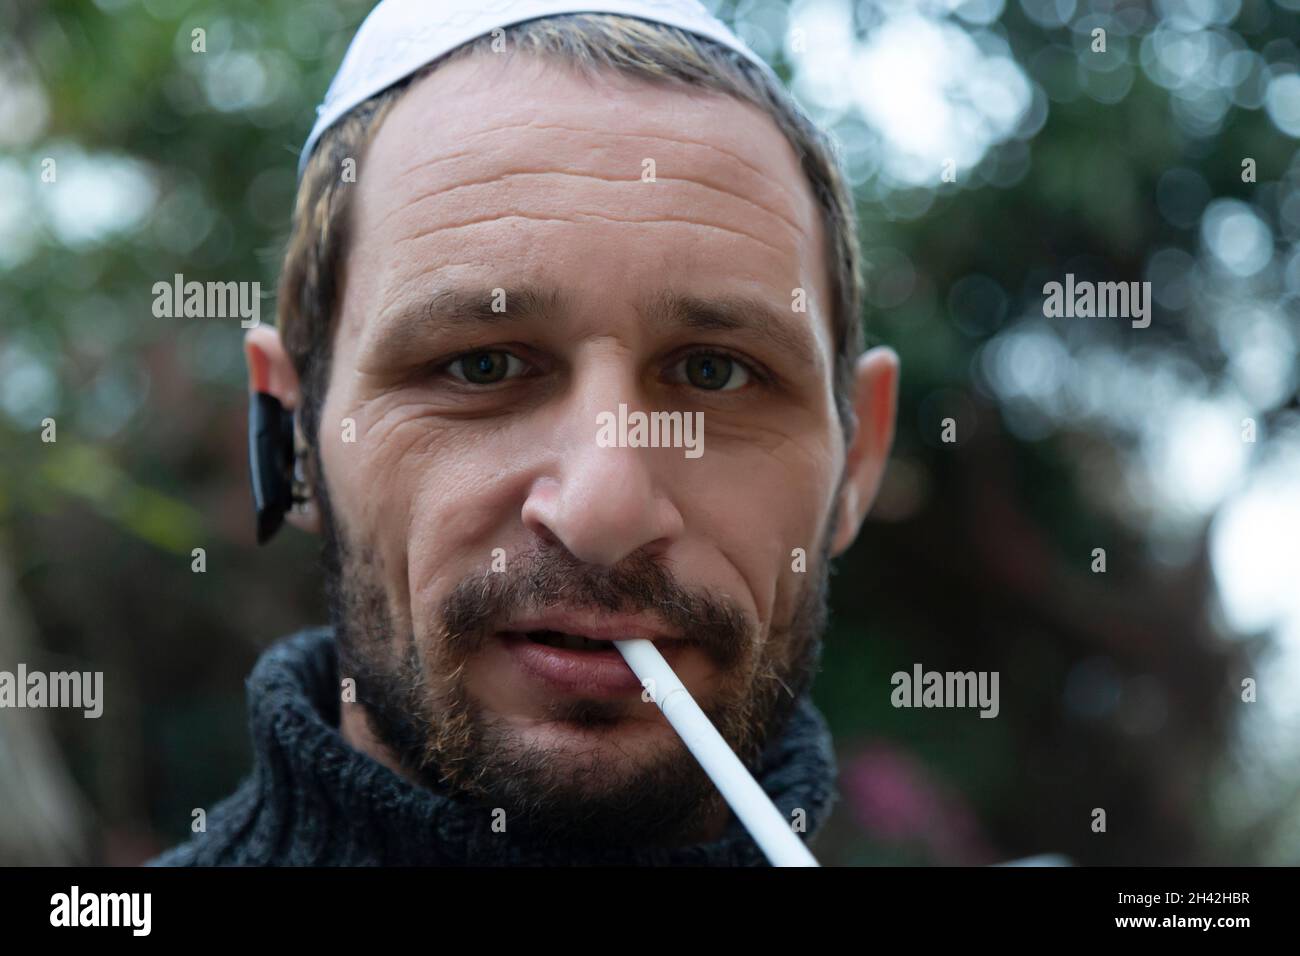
(713, 371)
(485, 367)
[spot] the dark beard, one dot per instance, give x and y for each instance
(416, 703)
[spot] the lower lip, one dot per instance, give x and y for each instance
(601, 673)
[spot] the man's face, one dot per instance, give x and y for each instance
(648, 245)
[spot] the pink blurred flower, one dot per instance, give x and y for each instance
(896, 800)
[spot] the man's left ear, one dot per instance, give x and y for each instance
(875, 403)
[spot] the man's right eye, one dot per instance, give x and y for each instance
(485, 367)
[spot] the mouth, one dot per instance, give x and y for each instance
(565, 641)
(573, 663)
(603, 646)
(571, 642)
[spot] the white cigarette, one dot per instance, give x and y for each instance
(774, 836)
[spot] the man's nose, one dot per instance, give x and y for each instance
(603, 503)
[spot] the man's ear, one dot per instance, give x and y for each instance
(270, 370)
(875, 403)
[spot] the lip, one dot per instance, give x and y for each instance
(594, 625)
(598, 674)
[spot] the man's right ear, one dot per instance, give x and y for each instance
(271, 372)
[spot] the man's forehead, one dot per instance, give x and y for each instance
(488, 138)
(487, 107)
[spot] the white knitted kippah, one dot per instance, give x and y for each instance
(400, 36)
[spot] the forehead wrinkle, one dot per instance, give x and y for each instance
(780, 187)
(587, 218)
(511, 127)
(443, 192)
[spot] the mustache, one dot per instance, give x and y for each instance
(550, 578)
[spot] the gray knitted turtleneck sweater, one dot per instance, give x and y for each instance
(313, 800)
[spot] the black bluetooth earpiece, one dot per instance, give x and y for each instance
(271, 460)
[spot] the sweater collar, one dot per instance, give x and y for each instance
(324, 802)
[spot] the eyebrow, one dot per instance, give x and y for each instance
(402, 330)
(732, 314)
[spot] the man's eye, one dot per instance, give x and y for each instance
(714, 371)
(486, 367)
